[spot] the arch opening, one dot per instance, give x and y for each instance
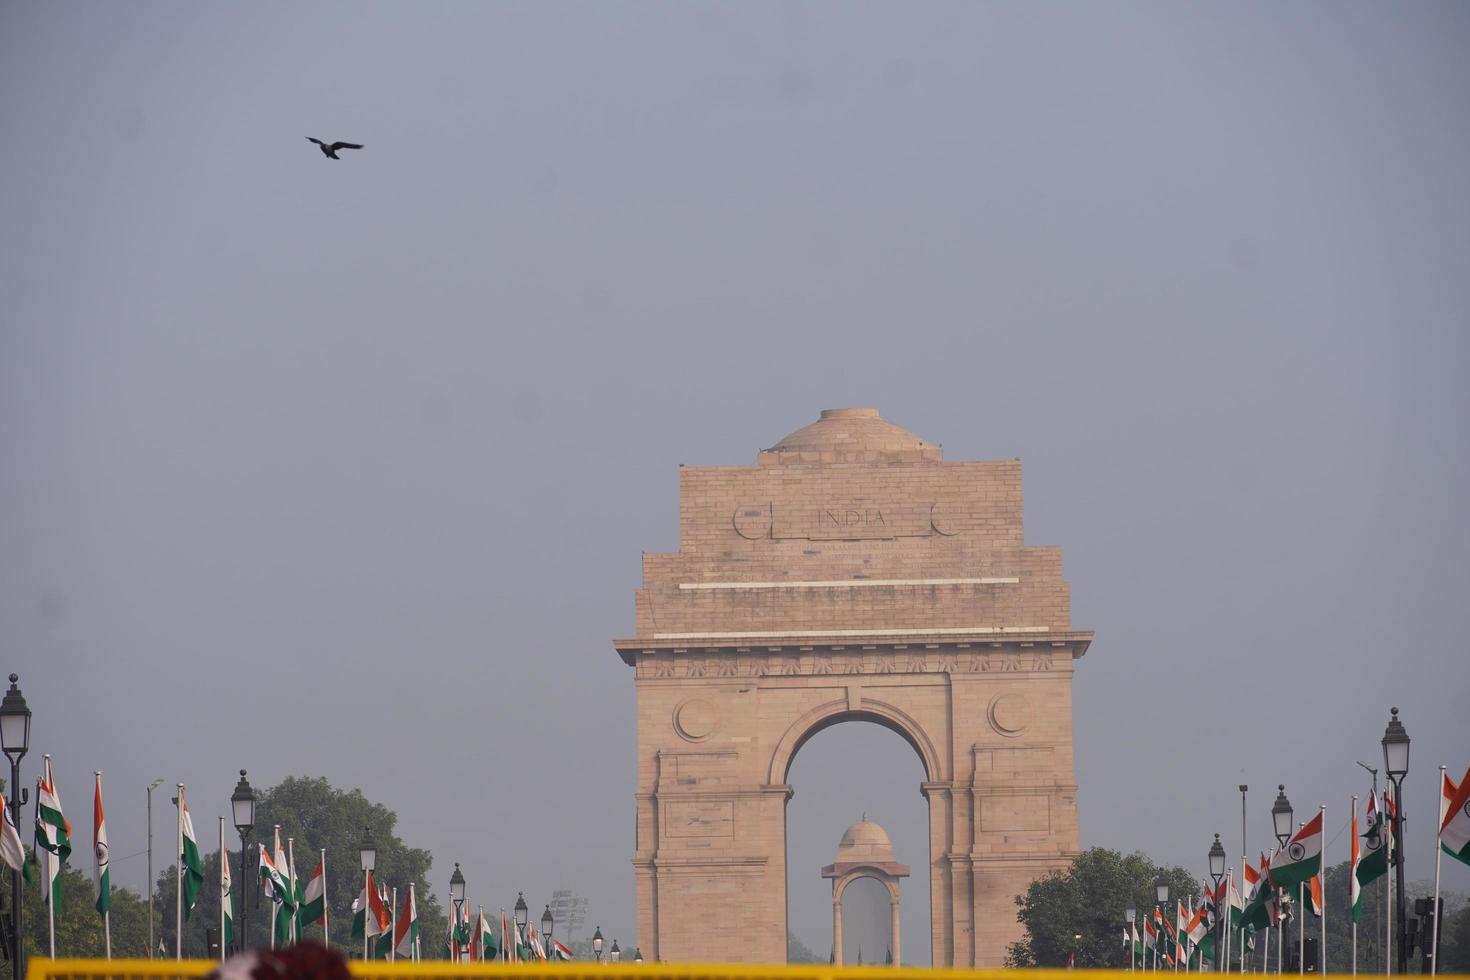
(847, 772)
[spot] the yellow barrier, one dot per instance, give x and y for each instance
(92, 969)
(88, 969)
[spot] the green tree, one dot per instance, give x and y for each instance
(78, 926)
(1454, 942)
(799, 952)
(315, 816)
(1088, 899)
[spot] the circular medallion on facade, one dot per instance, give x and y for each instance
(753, 521)
(1008, 714)
(694, 720)
(942, 519)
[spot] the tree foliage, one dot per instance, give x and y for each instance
(78, 926)
(1089, 899)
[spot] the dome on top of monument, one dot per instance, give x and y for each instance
(865, 841)
(854, 435)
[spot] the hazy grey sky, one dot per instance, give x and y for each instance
(344, 468)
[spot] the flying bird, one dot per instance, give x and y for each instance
(330, 149)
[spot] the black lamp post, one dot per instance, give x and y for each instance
(367, 852)
(1281, 816)
(597, 943)
(1161, 893)
(547, 924)
(456, 898)
(616, 953)
(522, 916)
(637, 954)
(1217, 871)
(1281, 825)
(242, 810)
(1396, 762)
(15, 739)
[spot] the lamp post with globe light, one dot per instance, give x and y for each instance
(367, 852)
(242, 811)
(15, 740)
(456, 898)
(597, 943)
(1396, 763)
(1161, 894)
(1217, 871)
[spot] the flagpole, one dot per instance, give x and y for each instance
(1243, 900)
(50, 878)
(293, 926)
(326, 941)
(179, 878)
(1354, 872)
(223, 857)
(1322, 884)
(1434, 909)
(1392, 845)
(97, 861)
(393, 924)
(1229, 887)
(367, 908)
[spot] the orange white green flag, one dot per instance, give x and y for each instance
(53, 832)
(1301, 858)
(12, 851)
(1454, 829)
(101, 873)
(192, 862)
(1355, 857)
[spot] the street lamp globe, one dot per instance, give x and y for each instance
(637, 954)
(1395, 745)
(1130, 915)
(597, 942)
(1161, 890)
(523, 912)
(456, 885)
(1281, 815)
(1217, 860)
(15, 723)
(368, 851)
(242, 805)
(547, 922)
(616, 953)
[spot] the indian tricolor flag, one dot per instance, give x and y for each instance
(275, 882)
(1355, 890)
(1301, 858)
(192, 863)
(314, 898)
(226, 898)
(12, 851)
(1454, 829)
(101, 875)
(53, 832)
(1373, 863)
(406, 929)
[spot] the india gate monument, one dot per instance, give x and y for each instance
(850, 574)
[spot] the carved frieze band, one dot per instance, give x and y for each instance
(671, 664)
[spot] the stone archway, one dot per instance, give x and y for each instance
(849, 574)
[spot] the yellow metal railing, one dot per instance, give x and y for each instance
(90, 969)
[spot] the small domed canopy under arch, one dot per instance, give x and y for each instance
(864, 852)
